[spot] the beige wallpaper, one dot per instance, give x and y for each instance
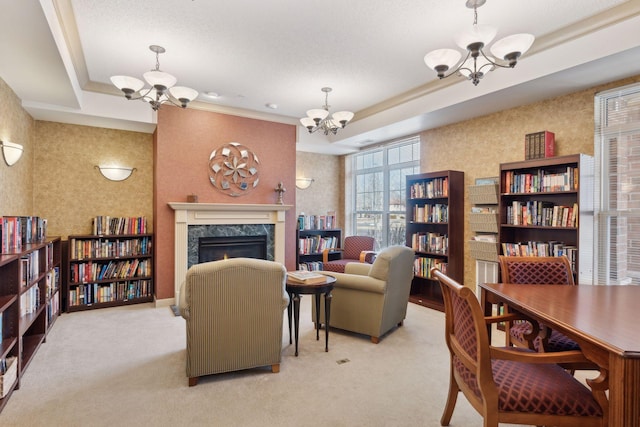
(69, 191)
(325, 192)
(16, 182)
(478, 146)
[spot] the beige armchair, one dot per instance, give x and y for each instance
(371, 299)
(234, 310)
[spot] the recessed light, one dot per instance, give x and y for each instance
(271, 105)
(212, 94)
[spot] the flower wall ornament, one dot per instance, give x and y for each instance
(233, 169)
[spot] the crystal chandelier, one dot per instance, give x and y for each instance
(162, 88)
(476, 64)
(319, 118)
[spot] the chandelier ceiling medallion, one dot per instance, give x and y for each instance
(476, 64)
(319, 118)
(162, 88)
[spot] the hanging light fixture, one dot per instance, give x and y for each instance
(476, 64)
(162, 88)
(319, 118)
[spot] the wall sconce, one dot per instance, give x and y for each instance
(115, 173)
(11, 152)
(304, 183)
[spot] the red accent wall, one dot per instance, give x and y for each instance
(183, 141)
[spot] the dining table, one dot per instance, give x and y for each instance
(602, 319)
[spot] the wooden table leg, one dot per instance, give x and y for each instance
(317, 300)
(327, 312)
(296, 317)
(289, 313)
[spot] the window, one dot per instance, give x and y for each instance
(617, 156)
(379, 181)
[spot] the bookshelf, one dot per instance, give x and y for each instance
(483, 221)
(546, 209)
(311, 243)
(109, 270)
(29, 305)
(435, 231)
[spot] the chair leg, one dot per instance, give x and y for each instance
(275, 368)
(451, 400)
(193, 381)
(375, 340)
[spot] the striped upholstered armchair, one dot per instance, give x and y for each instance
(234, 310)
(355, 249)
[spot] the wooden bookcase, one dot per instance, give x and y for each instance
(109, 270)
(435, 231)
(29, 305)
(530, 192)
(310, 244)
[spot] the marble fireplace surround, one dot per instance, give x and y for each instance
(187, 214)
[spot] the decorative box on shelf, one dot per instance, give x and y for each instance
(483, 194)
(9, 377)
(484, 222)
(485, 251)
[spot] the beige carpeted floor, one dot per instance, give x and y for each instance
(125, 367)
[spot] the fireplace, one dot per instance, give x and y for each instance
(190, 216)
(221, 247)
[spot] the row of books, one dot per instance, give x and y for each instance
(93, 293)
(52, 281)
(539, 145)
(107, 225)
(438, 187)
(541, 181)
(91, 271)
(422, 266)
(318, 222)
(430, 242)
(543, 214)
(316, 244)
(30, 301)
(53, 308)
(29, 268)
(431, 213)
(109, 248)
(18, 231)
(540, 248)
(310, 266)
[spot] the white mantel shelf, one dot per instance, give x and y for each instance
(227, 207)
(219, 214)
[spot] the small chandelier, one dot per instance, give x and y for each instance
(162, 88)
(319, 118)
(476, 64)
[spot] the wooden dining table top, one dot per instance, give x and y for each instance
(607, 316)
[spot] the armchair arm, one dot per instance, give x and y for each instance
(529, 356)
(360, 269)
(184, 308)
(368, 256)
(325, 253)
(358, 282)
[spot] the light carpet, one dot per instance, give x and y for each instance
(125, 366)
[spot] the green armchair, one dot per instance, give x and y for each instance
(234, 310)
(371, 299)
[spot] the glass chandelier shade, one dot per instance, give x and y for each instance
(159, 83)
(319, 118)
(476, 63)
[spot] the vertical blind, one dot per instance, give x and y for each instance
(617, 211)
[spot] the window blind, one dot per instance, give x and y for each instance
(617, 192)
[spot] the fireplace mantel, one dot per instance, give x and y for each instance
(220, 214)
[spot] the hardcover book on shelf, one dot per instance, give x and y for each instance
(305, 277)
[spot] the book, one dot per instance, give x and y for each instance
(305, 277)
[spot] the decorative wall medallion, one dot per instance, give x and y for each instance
(233, 169)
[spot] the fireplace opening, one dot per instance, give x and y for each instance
(221, 247)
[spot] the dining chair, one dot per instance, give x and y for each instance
(537, 271)
(509, 384)
(354, 249)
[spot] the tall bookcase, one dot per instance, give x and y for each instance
(435, 230)
(311, 243)
(546, 208)
(109, 270)
(29, 306)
